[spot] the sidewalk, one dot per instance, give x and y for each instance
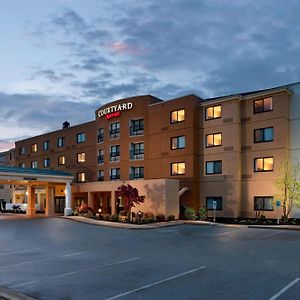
(7, 294)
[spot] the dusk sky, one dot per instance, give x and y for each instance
(62, 59)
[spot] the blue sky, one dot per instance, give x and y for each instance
(61, 59)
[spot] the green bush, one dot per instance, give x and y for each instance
(115, 218)
(190, 214)
(171, 218)
(202, 214)
(106, 217)
(160, 218)
(148, 217)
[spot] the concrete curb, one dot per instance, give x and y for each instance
(278, 227)
(9, 294)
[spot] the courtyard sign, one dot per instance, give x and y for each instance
(114, 110)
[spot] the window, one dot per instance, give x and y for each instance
(100, 135)
(210, 203)
(22, 150)
(136, 127)
(115, 153)
(213, 140)
(263, 135)
(213, 167)
(263, 105)
(61, 160)
(101, 175)
(263, 164)
(136, 173)
(263, 203)
(21, 165)
(178, 142)
(34, 148)
(178, 168)
(61, 142)
(137, 151)
(213, 112)
(34, 164)
(114, 130)
(114, 174)
(81, 177)
(177, 116)
(80, 137)
(101, 156)
(46, 145)
(46, 162)
(81, 157)
(2, 158)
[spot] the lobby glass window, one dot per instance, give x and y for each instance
(100, 175)
(80, 137)
(81, 157)
(22, 150)
(100, 135)
(81, 177)
(34, 148)
(213, 112)
(177, 116)
(114, 174)
(263, 164)
(46, 162)
(137, 151)
(263, 135)
(263, 203)
(210, 203)
(178, 168)
(114, 130)
(136, 173)
(46, 145)
(213, 167)
(101, 156)
(61, 142)
(115, 153)
(34, 164)
(61, 160)
(178, 142)
(136, 127)
(262, 105)
(213, 140)
(21, 165)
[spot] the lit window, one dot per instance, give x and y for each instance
(211, 201)
(46, 145)
(46, 162)
(263, 105)
(177, 116)
(214, 140)
(178, 142)
(213, 112)
(263, 203)
(114, 130)
(213, 167)
(81, 157)
(263, 135)
(81, 177)
(178, 168)
(61, 142)
(263, 164)
(34, 148)
(114, 174)
(61, 160)
(80, 137)
(34, 164)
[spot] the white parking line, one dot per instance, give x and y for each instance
(284, 289)
(155, 283)
(22, 284)
(20, 251)
(112, 264)
(62, 275)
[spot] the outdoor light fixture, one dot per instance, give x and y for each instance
(99, 210)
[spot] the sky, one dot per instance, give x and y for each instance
(62, 59)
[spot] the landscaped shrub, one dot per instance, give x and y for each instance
(171, 218)
(148, 217)
(202, 214)
(115, 218)
(160, 218)
(190, 213)
(106, 217)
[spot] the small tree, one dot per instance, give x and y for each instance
(289, 187)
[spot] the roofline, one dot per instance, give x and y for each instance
(178, 98)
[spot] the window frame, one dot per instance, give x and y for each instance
(263, 141)
(178, 162)
(263, 197)
(213, 134)
(80, 153)
(214, 198)
(63, 142)
(214, 162)
(34, 162)
(35, 145)
(177, 141)
(60, 164)
(258, 171)
(263, 110)
(177, 110)
(47, 142)
(80, 137)
(213, 118)
(48, 164)
(77, 177)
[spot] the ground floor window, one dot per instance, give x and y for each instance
(210, 203)
(263, 203)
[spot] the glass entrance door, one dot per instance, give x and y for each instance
(59, 204)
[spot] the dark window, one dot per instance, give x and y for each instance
(178, 168)
(46, 162)
(2, 158)
(263, 135)
(61, 142)
(22, 150)
(80, 137)
(263, 203)
(21, 165)
(137, 151)
(101, 175)
(213, 167)
(100, 135)
(136, 173)
(210, 203)
(178, 142)
(46, 145)
(115, 153)
(213, 112)
(101, 156)
(263, 164)
(114, 130)
(34, 164)
(114, 174)
(262, 105)
(137, 127)
(177, 116)
(213, 140)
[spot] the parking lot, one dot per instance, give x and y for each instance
(53, 258)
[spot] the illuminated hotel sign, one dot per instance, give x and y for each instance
(114, 110)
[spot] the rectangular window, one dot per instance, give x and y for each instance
(114, 130)
(136, 173)
(34, 164)
(2, 158)
(100, 135)
(34, 148)
(177, 116)
(136, 127)
(213, 167)
(114, 174)
(46, 162)
(81, 177)
(263, 135)
(61, 160)
(263, 164)
(80, 137)
(101, 156)
(61, 142)
(262, 105)
(178, 142)
(213, 140)
(178, 168)
(263, 203)
(210, 203)
(22, 150)
(46, 145)
(115, 153)
(81, 157)
(136, 151)
(213, 112)
(100, 175)
(21, 165)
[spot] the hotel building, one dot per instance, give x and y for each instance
(184, 152)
